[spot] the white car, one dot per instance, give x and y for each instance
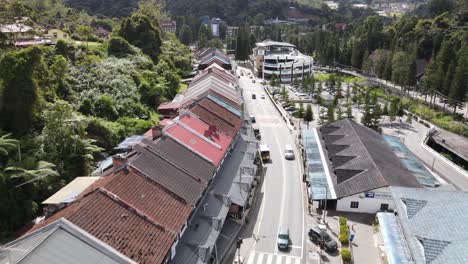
(288, 152)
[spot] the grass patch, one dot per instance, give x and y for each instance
(321, 77)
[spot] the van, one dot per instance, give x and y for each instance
(264, 152)
(283, 238)
(288, 152)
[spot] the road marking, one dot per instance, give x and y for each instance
(278, 259)
(283, 196)
(251, 257)
(269, 259)
(260, 258)
(288, 260)
(295, 246)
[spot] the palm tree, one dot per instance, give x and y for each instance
(42, 170)
(7, 143)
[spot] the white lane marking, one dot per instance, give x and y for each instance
(295, 246)
(283, 191)
(260, 258)
(298, 261)
(288, 260)
(269, 259)
(251, 257)
(278, 259)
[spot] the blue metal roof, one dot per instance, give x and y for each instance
(315, 170)
(396, 248)
(416, 168)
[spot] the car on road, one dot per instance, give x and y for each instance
(254, 96)
(252, 118)
(283, 238)
(253, 80)
(288, 152)
(318, 236)
(263, 96)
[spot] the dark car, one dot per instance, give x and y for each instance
(317, 235)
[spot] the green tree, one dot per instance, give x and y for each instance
(243, 43)
(309, 114)
(185, 35)
(331, 113)
(86, 33)
(153, 9)
(459, 84)
(119, 47)
(322, 116)
(300, 111)
(140, 32)
(204, 35)
(339, 114)
(385, 109)
(19, 93)
(437, 7)
(349, 110)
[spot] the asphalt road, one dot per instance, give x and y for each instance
(282, 196)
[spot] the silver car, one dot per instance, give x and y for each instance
(283, 238)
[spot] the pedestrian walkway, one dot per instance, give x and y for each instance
(271, 258)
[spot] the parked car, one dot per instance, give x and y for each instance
(288, 152)
(317, 236)
(290, 108)
(263, 96)
(283, 238)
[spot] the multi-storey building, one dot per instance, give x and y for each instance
(281, 59)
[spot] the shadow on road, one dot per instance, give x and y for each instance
(361, 218)
(399, 125)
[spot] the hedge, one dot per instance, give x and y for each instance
(345, 254)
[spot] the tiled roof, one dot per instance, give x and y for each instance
(113, 221)
(147, 196)
(221, 111)
(205, 147)
(212, 83)
(361, 160)
(176, 179)
(218, 72)
(236, 104)
(434, 224)
(215, 120)
(184, 157)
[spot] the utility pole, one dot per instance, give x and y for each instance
(238, 246)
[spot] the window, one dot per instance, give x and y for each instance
(354, 204)
(383, 207)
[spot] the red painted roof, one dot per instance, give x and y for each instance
(112, 220)
(191, 131)
(204, 129)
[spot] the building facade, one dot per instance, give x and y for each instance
(281, 59)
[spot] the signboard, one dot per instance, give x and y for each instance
(378, 195)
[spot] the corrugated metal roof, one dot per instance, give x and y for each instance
(57, 243)
(70, 191)
(434, 224)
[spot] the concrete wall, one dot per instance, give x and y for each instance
(369, 202)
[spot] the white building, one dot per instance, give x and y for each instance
(281, 59)
(357, 168)
(214, 23)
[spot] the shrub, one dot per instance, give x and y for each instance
(343, 238)
(345, 254)
(108, 134)
(342, 220)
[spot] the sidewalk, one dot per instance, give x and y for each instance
(364, 247)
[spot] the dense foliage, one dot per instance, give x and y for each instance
(62, 107)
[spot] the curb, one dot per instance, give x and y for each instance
(283, 115)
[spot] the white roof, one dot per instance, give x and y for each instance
(70, 191)
(267, 43)
(264, 147)
(15, 28)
